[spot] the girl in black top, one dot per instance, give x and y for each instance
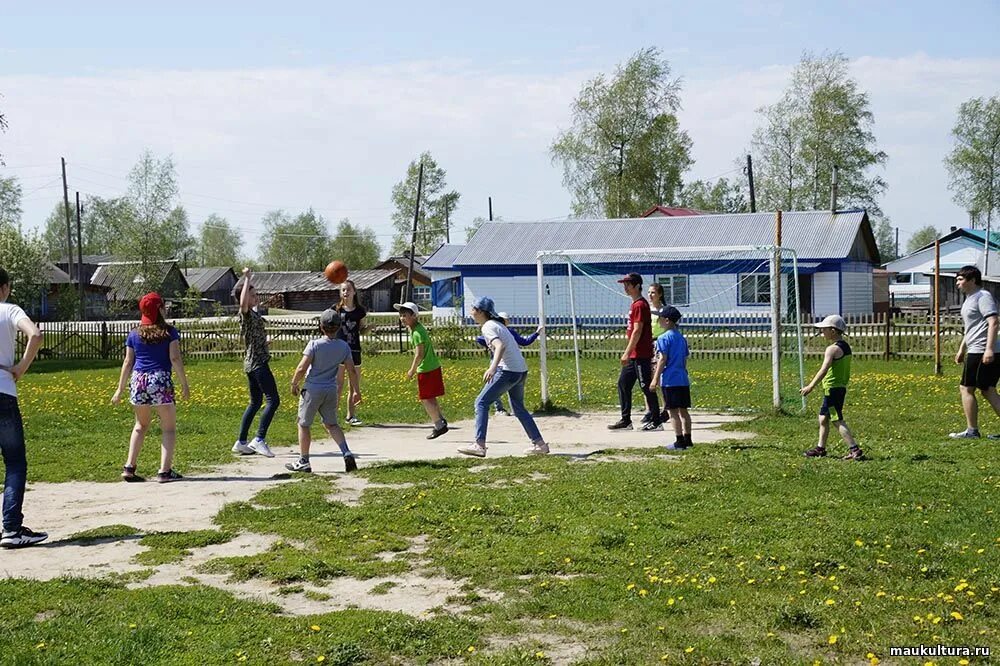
(351, 313)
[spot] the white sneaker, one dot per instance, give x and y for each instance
(965, 434)
(355, 421)
(476, 450)
(260, 446)
(538, 449)
(242, 449)
(21, 538)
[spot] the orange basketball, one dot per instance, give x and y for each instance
(336, 271)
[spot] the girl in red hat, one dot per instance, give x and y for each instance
(151, 351)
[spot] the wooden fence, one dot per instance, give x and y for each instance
(725, 336)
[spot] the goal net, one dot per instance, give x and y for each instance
(725, 294)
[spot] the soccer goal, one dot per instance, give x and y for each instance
(738, 302)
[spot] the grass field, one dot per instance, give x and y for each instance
(735, 552)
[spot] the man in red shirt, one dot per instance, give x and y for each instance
(637, 359)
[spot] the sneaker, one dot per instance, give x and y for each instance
(664, 416)
(816, 452)
(354, 421)
(677, 446)
(168, 476)
(647, 418)
(854, 453)
(21, 538)
(350, 465)
(260, 446)
(538, 449)
(301, 465)
(621, 425)
(476, 450)
(129, 475)
(965, 434)
(437, 432)
(992, 436)
(501, 412)
(242, 449)
(650, 427)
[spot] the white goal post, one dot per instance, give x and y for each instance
(728, 286)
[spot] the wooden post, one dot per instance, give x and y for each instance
(937, 307)
(79, 264)
(888, 323)
(413, 239)
(776, 315)
(69, 225)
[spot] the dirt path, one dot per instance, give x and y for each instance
(63, 509)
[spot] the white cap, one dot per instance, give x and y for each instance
(503, 315)
(833, 321)
(408, 305)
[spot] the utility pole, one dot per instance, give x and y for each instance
(413, 238)
(490, 200)
(833, 190)
(69, 227)
(79, 256)
(753, 199)
(897, 242)
(447, 228)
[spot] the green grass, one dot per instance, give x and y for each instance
(164, 547)
(730, 553)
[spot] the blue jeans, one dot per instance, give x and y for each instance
(14, 460)
(262, 387)
(511, 383)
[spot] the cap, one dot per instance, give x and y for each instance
(408, 305)
(833, 321)
(149, 308)
(330, 318)
(485, 304)
(631, 278)
(503, 315)
(669, 312)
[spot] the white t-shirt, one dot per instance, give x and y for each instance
(512, 358)
(977, 308)
(10, 316)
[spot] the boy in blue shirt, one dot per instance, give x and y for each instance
(322, 359)
(672, 375)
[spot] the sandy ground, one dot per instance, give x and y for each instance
(63, 509)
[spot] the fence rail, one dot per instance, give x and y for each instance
(724, 336)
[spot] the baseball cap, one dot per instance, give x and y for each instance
(408, 305)
(669, 312)
(149, 308)
(330, 318)
(503, 315)
(485, 304)
(833, 321)
(631, 278)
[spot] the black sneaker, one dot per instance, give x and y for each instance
(349, 464)
(816, 452)
(301, 465)
(167, 477)
(437, 432)
(621, 425)
(650, 427)
(647, 418)
(22, 538)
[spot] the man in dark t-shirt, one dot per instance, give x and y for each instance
(637, 358)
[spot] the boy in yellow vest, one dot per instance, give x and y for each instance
(835, 373)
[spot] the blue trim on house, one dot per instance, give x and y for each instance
(840, 293)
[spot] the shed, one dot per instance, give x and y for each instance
(215, 283)
(127, 281)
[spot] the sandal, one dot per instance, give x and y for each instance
(129, 475)
(167, 477)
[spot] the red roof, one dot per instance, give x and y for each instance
(669, 211)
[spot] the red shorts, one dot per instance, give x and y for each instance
(430, 384)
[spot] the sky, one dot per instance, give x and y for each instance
(323, 104)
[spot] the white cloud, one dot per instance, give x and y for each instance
(338, 138)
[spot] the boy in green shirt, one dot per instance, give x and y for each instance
(426, 367)
(835, 373)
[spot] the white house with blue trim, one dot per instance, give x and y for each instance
(836, 254)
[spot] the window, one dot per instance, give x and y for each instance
(902, 278)
(422, 295)
(755, 289)
(675, 289)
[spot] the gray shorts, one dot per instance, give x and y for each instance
(323, 401)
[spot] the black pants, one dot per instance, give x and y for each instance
(12, 446)
(640, 369)
(262, 389)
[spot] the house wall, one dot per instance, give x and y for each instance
(438, 277)
(856, 285)
(826, 293)
(311, 301)
(378, 298)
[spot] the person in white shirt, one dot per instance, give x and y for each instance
(506, 374)
(12, 320)
(977, 353)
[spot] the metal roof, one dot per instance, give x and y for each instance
(279, 282)
(203, 279)
(817, 235)
(125, 279)
(444, 258)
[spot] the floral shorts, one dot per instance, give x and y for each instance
(151, 388)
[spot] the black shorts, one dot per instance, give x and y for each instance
(676, 397)
(976, 374)
(833, 403)
(356, 357)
